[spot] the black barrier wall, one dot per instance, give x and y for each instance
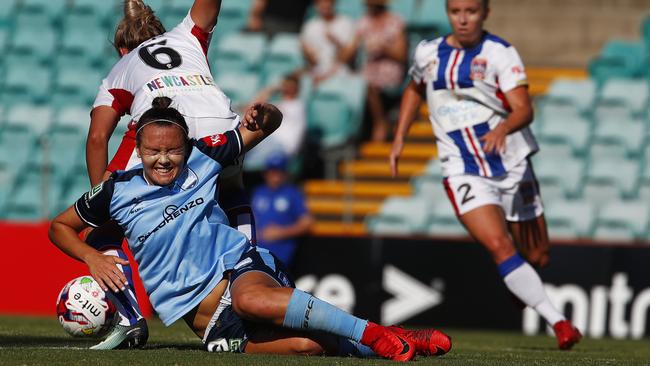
(604, 290)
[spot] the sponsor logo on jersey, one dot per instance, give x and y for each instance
(171, 213)
(478, 68)
(184, 82)
(215, 140)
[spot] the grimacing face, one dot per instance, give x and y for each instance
(466, 18)
(162, 150)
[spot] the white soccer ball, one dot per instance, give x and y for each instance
(84, 310)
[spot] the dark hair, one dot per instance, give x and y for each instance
(138, 25)
(486, 4)
(161, 114)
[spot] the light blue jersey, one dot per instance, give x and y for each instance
(178, 234)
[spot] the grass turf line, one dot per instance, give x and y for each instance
(42, 341)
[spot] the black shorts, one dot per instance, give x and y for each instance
(230, 332)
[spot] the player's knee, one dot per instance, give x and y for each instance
(249, 304)
(500, 246)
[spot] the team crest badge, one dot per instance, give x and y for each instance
(478, 68)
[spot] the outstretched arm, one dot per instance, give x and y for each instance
(102, 124)
(411, 100)
(520, 117)
(64, 233)
(204, 13)
(260, 120)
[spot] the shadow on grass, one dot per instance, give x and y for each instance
(35, 341)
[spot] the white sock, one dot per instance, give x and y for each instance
(525, 283)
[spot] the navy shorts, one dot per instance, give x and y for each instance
(230, 332)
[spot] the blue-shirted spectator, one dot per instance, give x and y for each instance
(281, 215)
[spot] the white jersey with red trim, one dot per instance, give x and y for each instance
(174, 65)
(465, 95)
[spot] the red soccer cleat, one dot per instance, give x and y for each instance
(567, 335)
(428, 342)
(388, 344)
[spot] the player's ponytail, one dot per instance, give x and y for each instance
(139, 24)
(162, 114)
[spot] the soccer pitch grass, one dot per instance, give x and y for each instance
(41, 341)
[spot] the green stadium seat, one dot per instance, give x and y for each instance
(632, 94)
(73, 119)
(283, 57)
(627, 134)
(579, 93)
(627, 219)
(238, 52)
(611, 179)
(101, 9)
(53, 9)
(618, 59)
(329, 120)
(406, 9)
(444, 222)
(16, 147)
(33, 197)
(158, 6)
(232, 17)
(83, 37)
(570, 219)
(78, 85)
(7, 11)
(40, 42)
(27, 82)
(27, 117)
(56, 152)
(564, 174)
(239, 87)
(575, 131)
(352, 89)
(352, 8)
(410, 212)
(76, 185)
(552, 111)
(431, 17)
(4, 40)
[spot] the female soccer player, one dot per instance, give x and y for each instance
(196, 267)
(156, 63)
(476, 89)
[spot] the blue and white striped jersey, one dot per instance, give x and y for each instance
(466, 99)
(178, 234)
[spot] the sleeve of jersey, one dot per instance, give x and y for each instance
(417, 68)
(189, 28)
(115, 97)
(223, 148)
(511, 70)
(94, 206)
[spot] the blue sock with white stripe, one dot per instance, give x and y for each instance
(306, 312)
(522, 280)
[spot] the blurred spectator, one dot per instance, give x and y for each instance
(382, 37)
(289, 137)
(281, 215)
(323, 37)
(277, 16)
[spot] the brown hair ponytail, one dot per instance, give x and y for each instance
(138, 25)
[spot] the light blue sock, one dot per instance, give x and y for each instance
(306, 312)
(350, 348)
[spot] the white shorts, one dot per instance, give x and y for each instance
(517, 192)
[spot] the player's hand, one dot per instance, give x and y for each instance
(104, 270)
(272, 233)
(253, 117)
(393, 158)
(495, 140)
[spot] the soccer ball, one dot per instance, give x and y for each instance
(84, 310)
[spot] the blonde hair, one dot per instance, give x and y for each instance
(138, 25)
